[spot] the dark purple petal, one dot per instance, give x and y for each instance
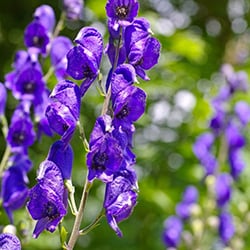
(123, 182)
(120, 209)
(123, 76)
(63, 157)
(226, 227)
(3, 95)
(217, 122)
(35, 35)
(104, 159)
(45, 15)
(82, 63)
(30, 85)
(102, 126)
(91, 39)
(46, 206)
(138, 30)
(129, 104)
(172, 231)
(9, 242)
(111, 51)
(61, 120)
(68, 94)
(73, 9)
(122, 11)
(223, 189)
(50, 176)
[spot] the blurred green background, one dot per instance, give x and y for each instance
(197, 37)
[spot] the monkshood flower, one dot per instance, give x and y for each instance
(142, 50)
(63, 157)
(73, 9)
(21, 133)
(3, 94)
(172, 231)
(105, 158)
(36, 36)
(223, 189)
(9, 242)
(189, 198)
(202, 149)
(14, 189)
(122, 77)
(85, 58)
(45, 15)
(218, 121)
(64, 110)
(120, 198)
(59, 48)
(122, 11)
(47, 203)
(226, 227)
(129, 104)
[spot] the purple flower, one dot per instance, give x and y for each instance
(73, 9)
(172, 231)
(85, 58)
(142, 50)
(14, 188)
(120, 198)
(21, 134)
(45, 15)
(29, 85)
(105, 158)
(129, 104)
(59, 49)
(183, 209)
(123, 76)
(3, 94)
(64, 110)
(47, 202)
(122, 11)
(62, 156)
(202, 150)
(36, 36)
(226, 227)
(9, 242)
(223, 189)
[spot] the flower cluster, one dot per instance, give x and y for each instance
(226, 128)
(173, 225)
(132, 50)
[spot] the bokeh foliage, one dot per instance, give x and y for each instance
(197, 37)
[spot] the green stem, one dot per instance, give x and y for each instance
(83, 136)
(94, 224)
(7, 151)
(71, 189)
(78, 219)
